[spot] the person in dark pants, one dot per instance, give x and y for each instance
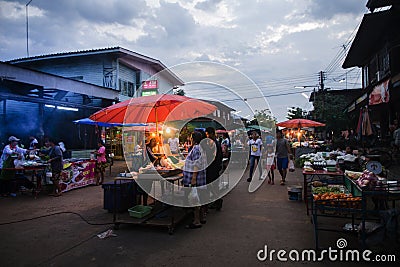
(56, 162)
(214, 164)
(255, 145)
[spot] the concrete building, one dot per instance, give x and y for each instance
(376, 49)
(42, 95)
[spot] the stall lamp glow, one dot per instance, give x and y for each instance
(153, 135)
(50, 106)
(168, 130)
(67, 108)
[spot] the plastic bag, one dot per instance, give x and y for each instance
(291, 166)
(106, 234)
(193, 197)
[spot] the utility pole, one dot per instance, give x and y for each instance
(322, 89)
(321, 80)
(27, 28)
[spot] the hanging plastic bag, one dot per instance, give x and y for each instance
(291, 165)
(193, 197)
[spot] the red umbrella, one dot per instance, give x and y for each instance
(299, 123)
(155, 108)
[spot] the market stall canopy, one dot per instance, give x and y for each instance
(88, 121)
(299, 123)
(155, 108)
(151, 128)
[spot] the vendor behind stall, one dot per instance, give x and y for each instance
(10, 153)
(33, 142)
(149, 148)
(55, 159)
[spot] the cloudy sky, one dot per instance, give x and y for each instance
(279, 44)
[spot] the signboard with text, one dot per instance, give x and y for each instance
(152, 84)
(149, 92)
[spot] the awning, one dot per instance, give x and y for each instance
(376, 30)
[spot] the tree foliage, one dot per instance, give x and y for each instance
(264, 118)
(329, 109)
(296, 113)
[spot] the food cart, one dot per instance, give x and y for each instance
(357, 196)
(165, 186)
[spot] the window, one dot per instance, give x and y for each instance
(126, 88)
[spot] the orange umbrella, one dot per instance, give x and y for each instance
(299, 123)
(155, 108)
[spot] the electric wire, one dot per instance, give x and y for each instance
(53, 214)
(66, 250)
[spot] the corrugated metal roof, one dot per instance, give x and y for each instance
(118, 50)
(372, 4)
(376, 30)
(115, 49)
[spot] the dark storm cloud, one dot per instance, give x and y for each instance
(65, 25)
(325, 9)
(208, 5)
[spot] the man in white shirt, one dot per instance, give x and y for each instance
(174, 144)
(255, 145)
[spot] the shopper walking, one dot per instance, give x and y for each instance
(214, 164)
(194, 175)
(270, 163)
(282, 155)
(255, 145)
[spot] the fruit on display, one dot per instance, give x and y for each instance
(352, 174)
(317, 183)
(333, 196)
(367, 180)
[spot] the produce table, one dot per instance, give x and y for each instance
(381, 195)
(161, 215)
(353, 203)
(320, 175)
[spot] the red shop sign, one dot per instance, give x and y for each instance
(152, 84)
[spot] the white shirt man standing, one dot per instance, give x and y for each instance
(174, 144)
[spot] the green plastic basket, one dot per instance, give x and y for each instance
(139, 211)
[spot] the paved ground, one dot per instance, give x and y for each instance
(232, 236)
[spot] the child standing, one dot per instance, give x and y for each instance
(271, 164)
